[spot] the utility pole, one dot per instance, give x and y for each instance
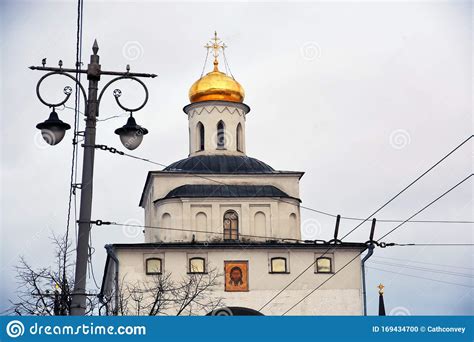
(53, 131)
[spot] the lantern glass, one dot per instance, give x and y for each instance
(53, 135)
(131, 139)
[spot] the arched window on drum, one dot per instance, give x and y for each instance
(231, 225)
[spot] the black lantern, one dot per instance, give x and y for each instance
(53, 129)
(131, 134)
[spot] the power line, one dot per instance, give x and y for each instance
(431, 244)
(73, 173)
(124, 114)
(414, 276)
(428, 205)
(409, 185)
(201, 231)
(422, 262)
(348, 218)
(77, 111)
(116, 151)
(357, 256)
(91, 264)
(112, 223)
(424, 269)
(384, 205)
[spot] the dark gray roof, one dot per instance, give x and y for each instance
(220, 164)
(214, 190)
(242, 245)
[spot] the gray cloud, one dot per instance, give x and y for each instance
(365, 96)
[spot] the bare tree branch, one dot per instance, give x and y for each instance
(46, 291)
(160, 295)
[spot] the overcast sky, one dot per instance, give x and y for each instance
(362, 96)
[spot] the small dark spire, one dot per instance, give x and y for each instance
(95, 47)
(381, 302)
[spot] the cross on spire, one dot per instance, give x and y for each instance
(216, 44)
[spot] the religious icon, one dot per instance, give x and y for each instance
(236, 276)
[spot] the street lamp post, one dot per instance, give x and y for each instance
(53, 131)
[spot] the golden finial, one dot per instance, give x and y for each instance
(381, 287)
(215, 44)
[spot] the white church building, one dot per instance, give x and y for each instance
(219, 209)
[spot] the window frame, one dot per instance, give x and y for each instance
(220, 131)
(153, 273)
(190, 271)
(201, 142)
(331, 267)
(279, 258)
(238, 138)
(230, 229)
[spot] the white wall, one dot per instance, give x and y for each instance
(209, 113)
(183, 211)
(273, 219)
(341, 295)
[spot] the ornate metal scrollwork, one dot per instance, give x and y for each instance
(67, 89)
(117, 93)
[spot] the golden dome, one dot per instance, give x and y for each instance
(216, 86)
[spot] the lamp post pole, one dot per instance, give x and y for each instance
(130, 134)
(78, 300)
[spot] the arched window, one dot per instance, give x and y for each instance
(260, 223)
(278, 265)
(154, 266)
(200, 136)
(201, 221)
(231, 225)
(293, 222)
(220, 135)
(323, 265)
(197, 265)
(166, 220)
(200, 225)
(240, 147)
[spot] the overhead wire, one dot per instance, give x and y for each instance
(375, 212)
(431, 244)
(73, 171)
(419, 277)
(409, 185)
(423, 269)
(209, 178)
(204, 232)
(422, 262)
(358, 255)
(428, 205)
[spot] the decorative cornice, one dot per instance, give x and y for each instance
(220, 106)
(219, 109)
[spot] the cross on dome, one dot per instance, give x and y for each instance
(216, 44)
